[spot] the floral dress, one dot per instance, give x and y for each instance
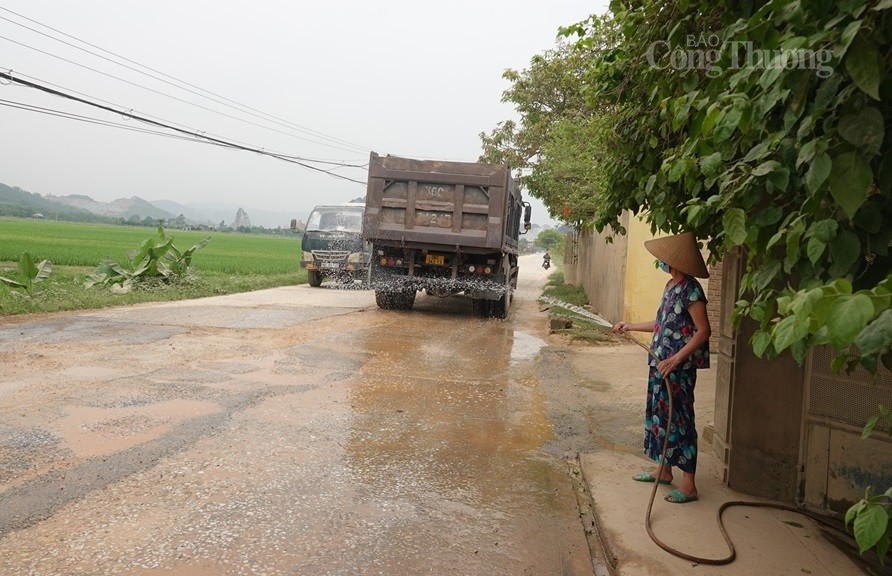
(673, 329)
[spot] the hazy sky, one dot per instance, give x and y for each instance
(326, 81)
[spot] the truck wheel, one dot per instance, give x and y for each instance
(405, 300)
(384, 300)
(314, 278)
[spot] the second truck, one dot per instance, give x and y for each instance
(332, 245)
(446, 228)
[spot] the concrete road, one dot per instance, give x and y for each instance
(289, 431)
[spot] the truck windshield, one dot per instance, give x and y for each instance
(333, 219)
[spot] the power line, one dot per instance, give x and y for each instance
(199, 135)
(168, 122)
(91, 120)
(238, 106)
(168, 95)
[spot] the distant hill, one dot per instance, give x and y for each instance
(81, 208)
(17, 202)
(212, 213)
(121, 208)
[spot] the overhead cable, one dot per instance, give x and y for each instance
(91, 120)
(199, 135)
(341, 164)
(170, 96)
(235, 105)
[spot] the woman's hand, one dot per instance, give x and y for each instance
(623, 327)
(665, 367)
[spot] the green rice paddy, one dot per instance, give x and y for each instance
(231, 262)
(82, 244)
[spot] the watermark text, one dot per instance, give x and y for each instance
(704, 52)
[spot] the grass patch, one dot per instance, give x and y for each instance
(556, 287)
(580, 328)
(85, 244)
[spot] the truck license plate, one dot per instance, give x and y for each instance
(330, 265)
(434, 259)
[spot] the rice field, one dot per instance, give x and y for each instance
(84, 244)
(231, 262)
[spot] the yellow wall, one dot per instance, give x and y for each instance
(619, 277)
(644, 282)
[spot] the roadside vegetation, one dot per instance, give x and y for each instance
(75, 252)
(757, 126)
(563, 320)
(557, 288)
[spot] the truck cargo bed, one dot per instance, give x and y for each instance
(430, 202)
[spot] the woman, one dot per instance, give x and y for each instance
(680, 347)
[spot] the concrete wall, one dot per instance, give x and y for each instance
(600, 268)
(644, 281)
(620, 278)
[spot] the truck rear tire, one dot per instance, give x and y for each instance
(384, 300)
(314, 278)
(395, 300)
(405, 300)
(490, 308)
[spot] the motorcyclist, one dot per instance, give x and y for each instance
(546, 260)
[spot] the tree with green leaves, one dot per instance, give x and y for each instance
(759, 126)
(557, 135)
(549, 239)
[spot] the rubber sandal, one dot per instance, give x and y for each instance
(678, 497)
(648, 477)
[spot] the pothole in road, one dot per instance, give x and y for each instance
(91, 431)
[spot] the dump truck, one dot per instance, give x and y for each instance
(445, 228)
(332, 245)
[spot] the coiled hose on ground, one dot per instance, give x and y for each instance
(732, 553)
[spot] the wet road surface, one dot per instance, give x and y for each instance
(289, 431)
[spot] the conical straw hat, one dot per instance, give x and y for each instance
(680, 252)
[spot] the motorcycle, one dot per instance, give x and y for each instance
(546, 264)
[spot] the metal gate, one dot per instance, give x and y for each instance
(836, 465)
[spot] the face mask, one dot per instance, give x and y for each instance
(663, 266)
